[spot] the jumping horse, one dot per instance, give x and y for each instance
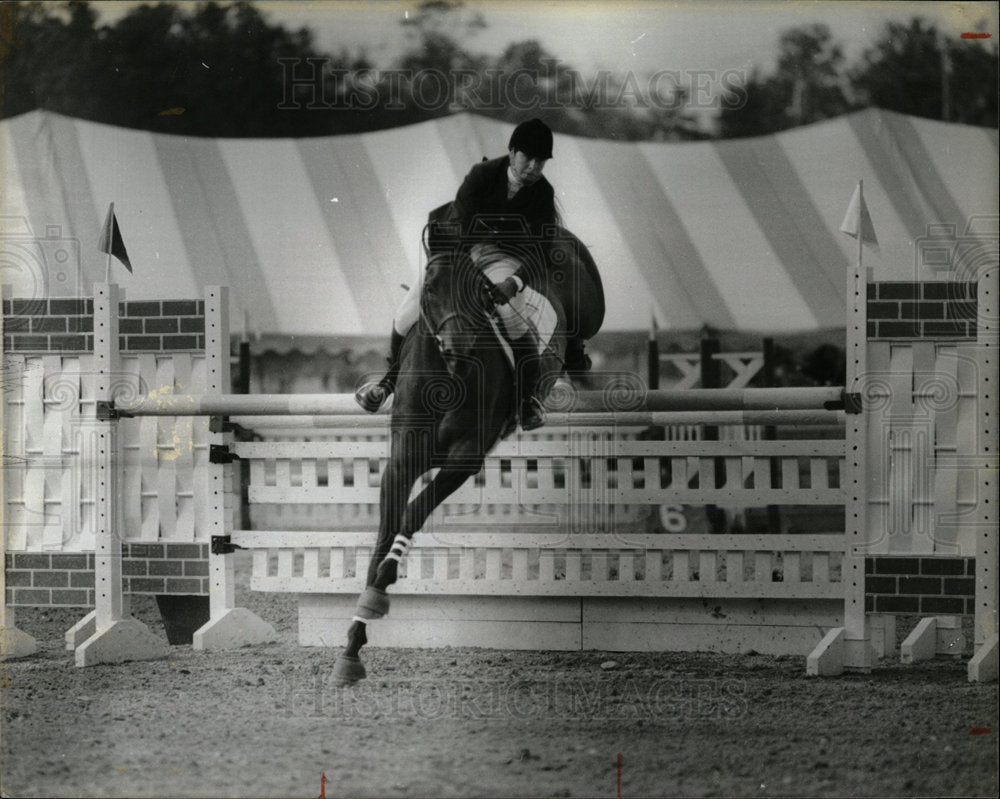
(454, 401)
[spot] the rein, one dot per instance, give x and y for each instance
(488, 313)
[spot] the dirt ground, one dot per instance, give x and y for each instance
(267, 721)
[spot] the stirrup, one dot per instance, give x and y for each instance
(372, 396)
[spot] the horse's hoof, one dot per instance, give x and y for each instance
(348, 670)
(373, 603)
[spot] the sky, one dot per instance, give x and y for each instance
(644, 36)
(632, 34)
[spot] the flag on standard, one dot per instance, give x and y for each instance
(111, 239)
(858, 220)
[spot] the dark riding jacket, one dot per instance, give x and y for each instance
(522, 225)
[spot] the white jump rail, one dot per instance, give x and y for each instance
(555, 519)
(796, 418)
(598, 402)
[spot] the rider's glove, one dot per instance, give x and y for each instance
(503, 291)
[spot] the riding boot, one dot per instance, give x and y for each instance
(577, 361)
(371, 396)
(529, 372)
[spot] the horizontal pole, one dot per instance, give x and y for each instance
(709, 399)
(234, 404)
(697, 400)
(623, 419)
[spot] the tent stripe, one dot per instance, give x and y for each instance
(52, 172)
(208, 211)
(921, 166)
(660, 245)
(361, 243)
(736, 254)
(580, 200)
(69, 163)
(466, 143)
(883, 154)
(412, 185)
(18, 266)
(786, 215)
(963, 176)
(241, 263)
(315, 236)
(306, 281)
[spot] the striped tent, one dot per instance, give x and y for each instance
(315, 236)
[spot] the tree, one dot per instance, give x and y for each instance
(808, 86)
(45, 56)
(916, 70)
(220, 69)
(206, 69)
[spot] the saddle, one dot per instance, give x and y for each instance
(569, 278)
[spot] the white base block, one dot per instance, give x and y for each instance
(883, 633)
(858, 654)
(566, 623)
(765, 626)
(15, 643)
(921, 644)
(426, 622)
(827, 659)
(983, 666)
(238, 627)
(950, 640)
(82, 630)
(124, 640)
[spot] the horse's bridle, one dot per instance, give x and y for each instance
(453, 314)
(488, 313)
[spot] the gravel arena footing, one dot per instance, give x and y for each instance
(269, 721)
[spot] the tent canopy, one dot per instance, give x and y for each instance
(314, 236)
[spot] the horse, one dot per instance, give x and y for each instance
(454, 401)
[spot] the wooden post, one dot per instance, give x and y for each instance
(653, 358)
(115, 638)
(770, 432)
(711, 373)
(711, 377)
(243, 387)
(229, 626)
(984, 664)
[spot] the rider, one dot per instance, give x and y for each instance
(510, 195)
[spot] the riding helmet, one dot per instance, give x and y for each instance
(533, 138)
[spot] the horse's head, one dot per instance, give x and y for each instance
(455, 306)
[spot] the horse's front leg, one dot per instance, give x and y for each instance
(455, 471)
(397, 480)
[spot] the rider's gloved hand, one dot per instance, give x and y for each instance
(503, 291)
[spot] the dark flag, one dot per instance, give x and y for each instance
(111, 239)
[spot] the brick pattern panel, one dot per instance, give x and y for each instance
(66, 325)
(67, 580)
(48, 325)
(932, 310)
(161, 325)
(927, 586)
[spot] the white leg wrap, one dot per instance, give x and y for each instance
(398, 549)
(358, 618)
